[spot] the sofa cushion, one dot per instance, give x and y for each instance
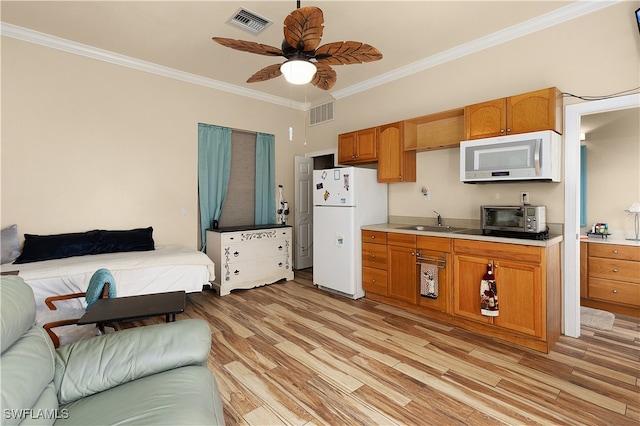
(47, 247)
(18, 309)
(128, 355)
(10, 244)
(183, 396)
(26, 368)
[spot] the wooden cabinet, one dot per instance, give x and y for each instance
(437, 131)
(612, 277)
(528, 283)
(357, 147)
(435, 251)
(249, 258)
(394, 163)
(402, 268)
(374, 262)
(527, 112)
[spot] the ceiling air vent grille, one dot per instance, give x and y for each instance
(321, 113)
(249, 21)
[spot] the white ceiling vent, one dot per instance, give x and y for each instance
(321, 113)
(249, 21)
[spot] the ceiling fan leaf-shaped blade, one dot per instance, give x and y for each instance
(249, 46)
(266, 73)
(325, 77)
(303, 28)
(346, 53)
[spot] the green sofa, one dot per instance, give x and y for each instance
(154, 375)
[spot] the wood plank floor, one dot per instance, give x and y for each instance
(291, 354)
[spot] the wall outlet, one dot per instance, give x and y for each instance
(524, 197)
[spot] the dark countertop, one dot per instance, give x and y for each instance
(247, 228)
(469, 234)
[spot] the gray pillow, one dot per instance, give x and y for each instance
(10, 244)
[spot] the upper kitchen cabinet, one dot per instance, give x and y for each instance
(357, 147)
(437, 131)
(528, 112)
(395, 164)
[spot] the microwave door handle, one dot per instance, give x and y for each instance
(536, 157)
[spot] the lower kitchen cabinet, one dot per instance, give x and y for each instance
(401, 267)
(528, 285)
(610, 277)
(374, 262)
(528, 281)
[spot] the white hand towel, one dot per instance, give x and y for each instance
(429, 280)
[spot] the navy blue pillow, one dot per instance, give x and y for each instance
(46, 247)
(140, 239)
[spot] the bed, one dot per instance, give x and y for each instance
(158, 269)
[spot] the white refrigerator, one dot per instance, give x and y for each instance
(344, 199)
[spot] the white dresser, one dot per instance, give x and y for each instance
(250, 256)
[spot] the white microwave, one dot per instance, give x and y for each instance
(532, 156)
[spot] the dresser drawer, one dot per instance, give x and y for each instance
(613, 251)
(250, 270)
(374, 280)
(255, 235)
(374, 255)
(619, 270)
(376, 237)
(614, 291)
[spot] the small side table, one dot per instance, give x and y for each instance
(135, 307)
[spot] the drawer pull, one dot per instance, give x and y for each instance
(280, 248)
(373, 256)
(236, 272)
(236, 254)
(615, 291)
(615, 252)
(373, 281)
(615, 270)
(280, 264)
(373, 237)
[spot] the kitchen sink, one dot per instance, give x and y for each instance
(433, 228)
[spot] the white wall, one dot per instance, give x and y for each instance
(87, 144)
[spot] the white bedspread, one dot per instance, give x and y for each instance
(167, 268)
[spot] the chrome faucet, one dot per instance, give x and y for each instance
(439, 218)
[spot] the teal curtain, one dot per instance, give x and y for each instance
(583, 185)
(214, 168)
(265, 179)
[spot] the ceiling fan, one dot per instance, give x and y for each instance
(306, 62)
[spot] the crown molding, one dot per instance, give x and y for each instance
(563, 14)
(46, 40)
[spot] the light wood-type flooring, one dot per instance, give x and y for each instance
(289, 353)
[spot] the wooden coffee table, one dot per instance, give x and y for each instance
(134, 307)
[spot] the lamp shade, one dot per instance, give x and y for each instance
(298, 72)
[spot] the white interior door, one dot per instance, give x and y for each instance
(303, 257)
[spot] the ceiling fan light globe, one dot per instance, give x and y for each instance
(298, 71)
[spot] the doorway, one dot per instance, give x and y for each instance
(571, 261)
(303, 202)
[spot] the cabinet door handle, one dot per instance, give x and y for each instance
(373, 281)
(373, 256)
(413, 254)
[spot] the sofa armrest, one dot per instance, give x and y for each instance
(100, 363)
